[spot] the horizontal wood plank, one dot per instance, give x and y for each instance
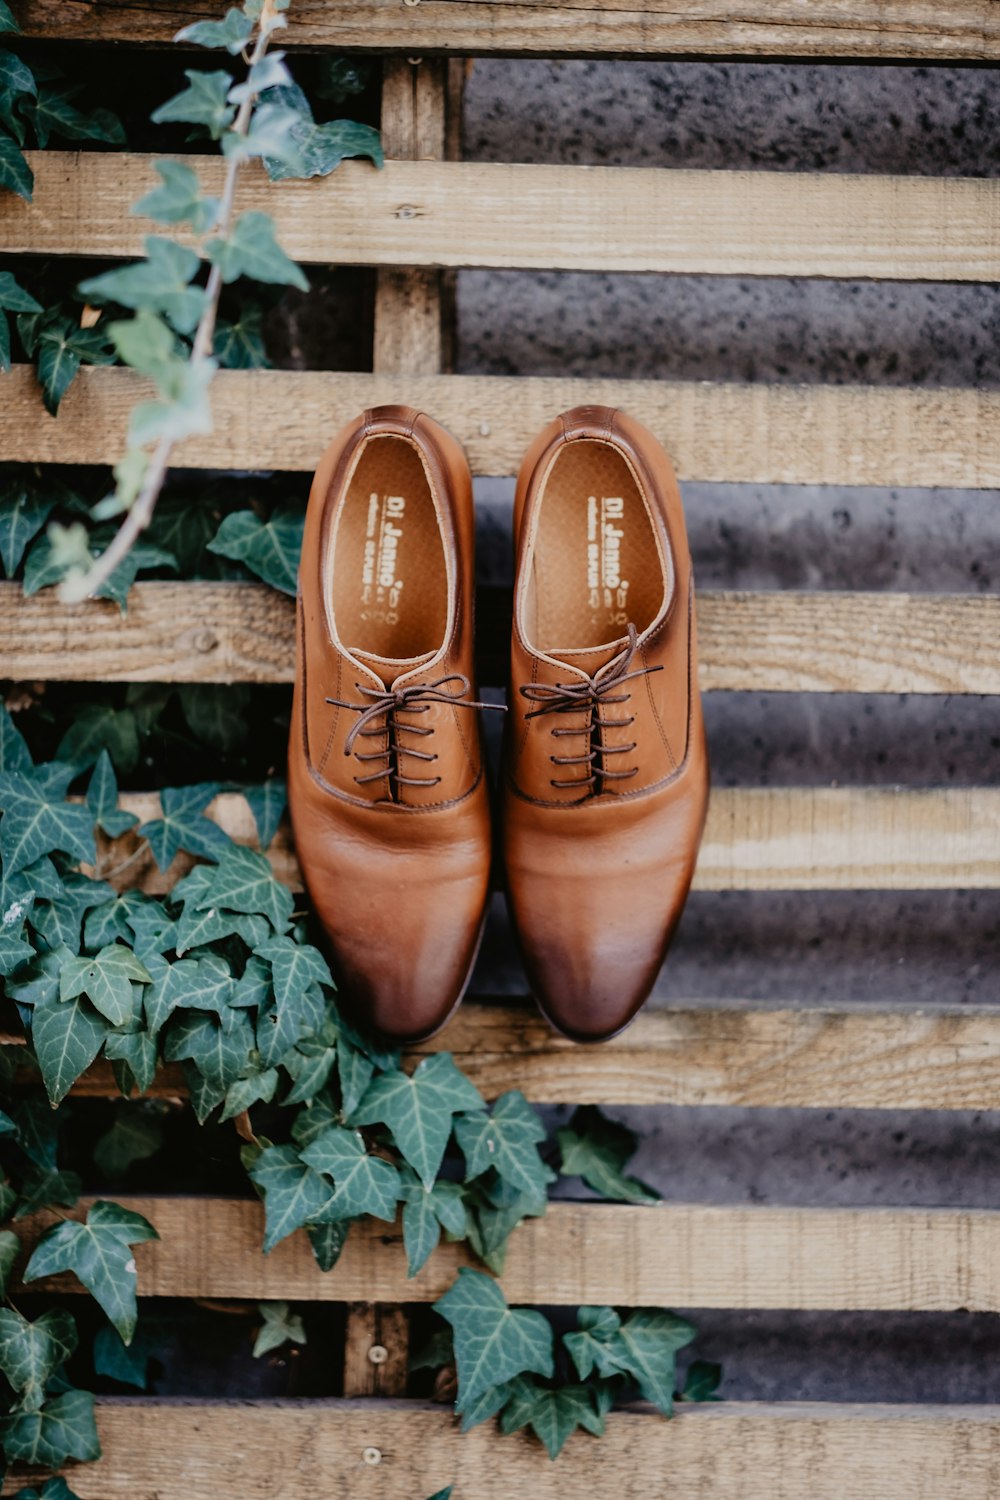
(427, 213)
(726, 433)
(967, 30)
(729, 1053)
(667, 1255)
(762, 642)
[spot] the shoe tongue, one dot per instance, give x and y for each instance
(388, 668)
(592, 660)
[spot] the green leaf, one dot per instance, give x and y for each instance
(191, 984)
(597, 1149)
(37, 819)
(244, 882)
(293, 1193)
(14, 752)
(419, 1110)
(63, 1429)
(232, 34)
(30, 1352)
(493, 1342)
(279, 1327)
(327, 1241)
(136, 1050)
(15, 173)
(22, 516)
(220, 1053)
(365, 1184)
(203, 102)
(106, 980)
(318, 149)
(14, 297)
(240, 345)
(485, 1406)
(293, 967)
(258, 1087)
(644, 1348)
(425, 1213)
(159, 283)
(98, 1252)
(178, 200)
(37, 1131)
(506, 1140)
(136, 1133)
(66, 1037)
(7, 21)
(102, 799)
(97, 727)
(342, 78)
(310, 1070)
(54, 114)
(144, 342)
(217, 713)
(112, 1359)
(182, 825)
(702, 1382)
(267, 802)
(491, 1224)
(252, 250)
(355, 1071)
(10, 1249)
(16, 75)
(270, 549)
(43, 1189)
(587, 1345)
(552, 1414)
(435, 1352)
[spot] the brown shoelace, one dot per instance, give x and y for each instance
(590, 694)
(415, 698)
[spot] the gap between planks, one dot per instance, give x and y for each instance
(722, 433)
(959, 30)
(729, 1053)
(775, 641)
(664, 1255)
(498, 214)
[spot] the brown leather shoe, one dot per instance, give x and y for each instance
(385, 772)
(606, 768)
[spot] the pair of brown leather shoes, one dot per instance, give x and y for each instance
(605, 778)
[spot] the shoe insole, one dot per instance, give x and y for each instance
(387, 576)
(595, 563)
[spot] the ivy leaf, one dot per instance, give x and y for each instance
(493, 1342)
(419, 1109)
(37, 1131)
(112, 1359)
(293, 1193)
(233, 34)
(268, 548)
(160, 283)
(14, 299)
(184, 410)
(102, 799)
(587, 1345)
(240, 345)
(294, 966)
(136, 1051)
(267, 802)
(29, 1352)
(108, 920)
(310, 1066)
(199, 928)
(60, 349)
(216, 713)
(507, 1141)
(145, 342)
(491, 1223)
(426, 1211)
(14, 752)
(702, 1382)
(182, 825)
(252, 250)
(327, 1241)
(22, 516)
(644, 1348)
(42, 1189)
(365, 1184)
(10, 1249)
(98, 1252)
(7, 21)
(220, 1053)
(178, 200)
(63, 1429)
(318, 149)
(97, 727)
(136, 1133)
(243, 881)
(485, 1406)
(191, 984)
(279, 1327)
(15, 74)
(272, 135)
(106, 980)
(15, 173)
(38, 981)
(551, 1414)
(203, 102)
(54, 113)
(37, 819)
(597, 1149)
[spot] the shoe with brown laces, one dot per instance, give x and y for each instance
(386, 781)
(605, 763)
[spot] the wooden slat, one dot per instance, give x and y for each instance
(426, 213)
(968, 30)
(755, 434)
(730, 1053)
(668, 1255)
(763, 642)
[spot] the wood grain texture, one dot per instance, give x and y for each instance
(729, 1053)
(865, 29)
(767, 642)
(756, 434)
(426, 213)
(667, 1255)
(376, 1350)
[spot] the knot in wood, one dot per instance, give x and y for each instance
(205, 640)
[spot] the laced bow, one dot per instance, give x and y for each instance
(589, 694)
(414, 698)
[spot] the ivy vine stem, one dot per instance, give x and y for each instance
(83, 586)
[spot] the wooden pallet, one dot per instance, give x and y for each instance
(426, 213)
